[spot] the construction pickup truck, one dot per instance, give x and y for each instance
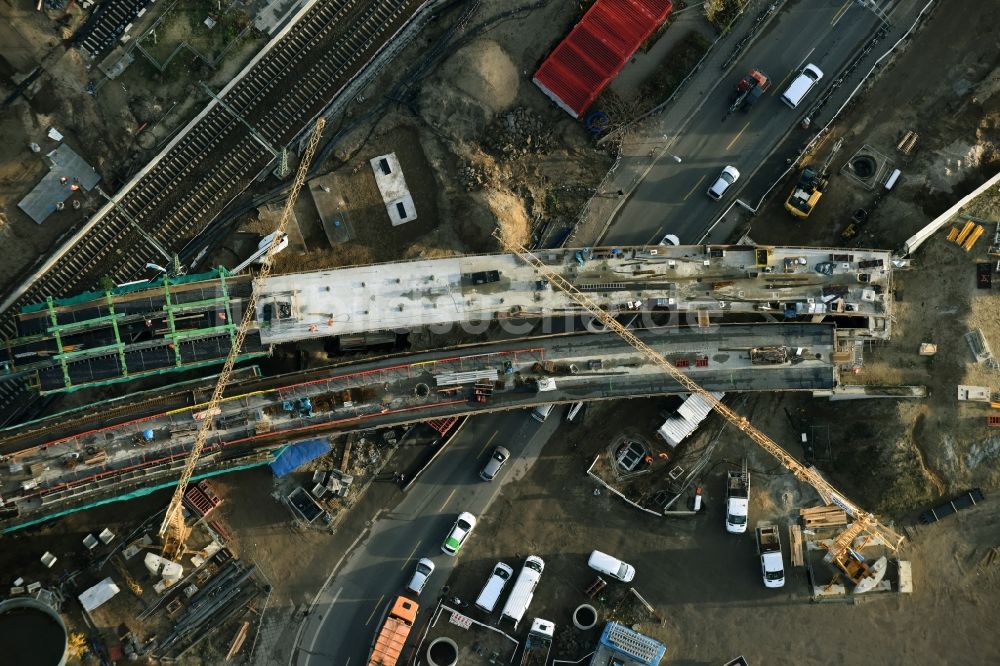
(749, 90)
(395, 630)
(769, 549)
(737, 499)
(538, 643)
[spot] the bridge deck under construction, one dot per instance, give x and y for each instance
(57, 464)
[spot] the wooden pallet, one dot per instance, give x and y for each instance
(795, 539)
(823, 516)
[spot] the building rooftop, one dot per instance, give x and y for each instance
(621, 646)
(66, 171)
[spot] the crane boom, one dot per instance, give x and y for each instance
(864, 521)
(172, 531)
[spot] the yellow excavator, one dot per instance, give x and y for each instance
(810, 187)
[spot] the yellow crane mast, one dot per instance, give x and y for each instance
(841, 548)
(173, 531)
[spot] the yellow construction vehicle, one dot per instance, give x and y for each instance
(842, 551)
(806, 193)
(810, 187)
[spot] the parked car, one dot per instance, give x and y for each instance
(825, 267)
(425, 567)
(459, 533)
(611, 566)
(493, 465)
(670, 239)
(728, 176)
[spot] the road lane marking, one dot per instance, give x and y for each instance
(693, 188)
(840, 13)
(410, 556)
(482, 450)
(655, 234)
(805, 59)
(737, 137)
(378, 604)
(448, 499)
(796, 70)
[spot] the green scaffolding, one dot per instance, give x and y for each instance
(173, 338)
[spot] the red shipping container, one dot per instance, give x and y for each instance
(597, 49)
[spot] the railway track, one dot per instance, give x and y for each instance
(218, 158)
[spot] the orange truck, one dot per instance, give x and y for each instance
(395, 630)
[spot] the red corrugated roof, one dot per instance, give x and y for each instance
(596, 49)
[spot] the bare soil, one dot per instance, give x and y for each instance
(923, 449)
(706, 583)
(117, 130)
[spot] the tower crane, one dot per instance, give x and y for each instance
(173, 531)
(841, 551)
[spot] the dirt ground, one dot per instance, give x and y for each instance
(938, 446)
(706, 583)
(478, 143)
(117, 130)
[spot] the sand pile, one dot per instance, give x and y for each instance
(471, 87)
(511, 215)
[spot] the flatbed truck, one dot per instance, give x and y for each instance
(392, 635)
(538, 643)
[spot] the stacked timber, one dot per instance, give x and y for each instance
(823, 516)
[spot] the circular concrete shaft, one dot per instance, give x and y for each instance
(584, 617)
(442, 652)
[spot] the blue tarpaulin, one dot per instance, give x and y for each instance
(296, 455)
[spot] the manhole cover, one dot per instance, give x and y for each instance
(863, 166)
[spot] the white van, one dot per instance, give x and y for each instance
(612, 566)
(801, 85)
(488, 598)
(524, 589)
(542, 412)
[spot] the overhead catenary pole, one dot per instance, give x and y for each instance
(172, 531)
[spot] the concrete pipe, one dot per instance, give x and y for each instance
(584, 617)
(31, 633)
(442, 652)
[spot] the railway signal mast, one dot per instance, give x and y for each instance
(841, 551)
(173, 531)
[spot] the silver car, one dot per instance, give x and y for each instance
(493, 465)
(728, 176)
(425, 567)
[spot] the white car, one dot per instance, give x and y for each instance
(459, 533)
(728, 176)
(670, 239)
(420, 576)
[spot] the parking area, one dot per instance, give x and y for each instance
(705, 585)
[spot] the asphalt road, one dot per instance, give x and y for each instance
(345, 619)
(671, 199)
